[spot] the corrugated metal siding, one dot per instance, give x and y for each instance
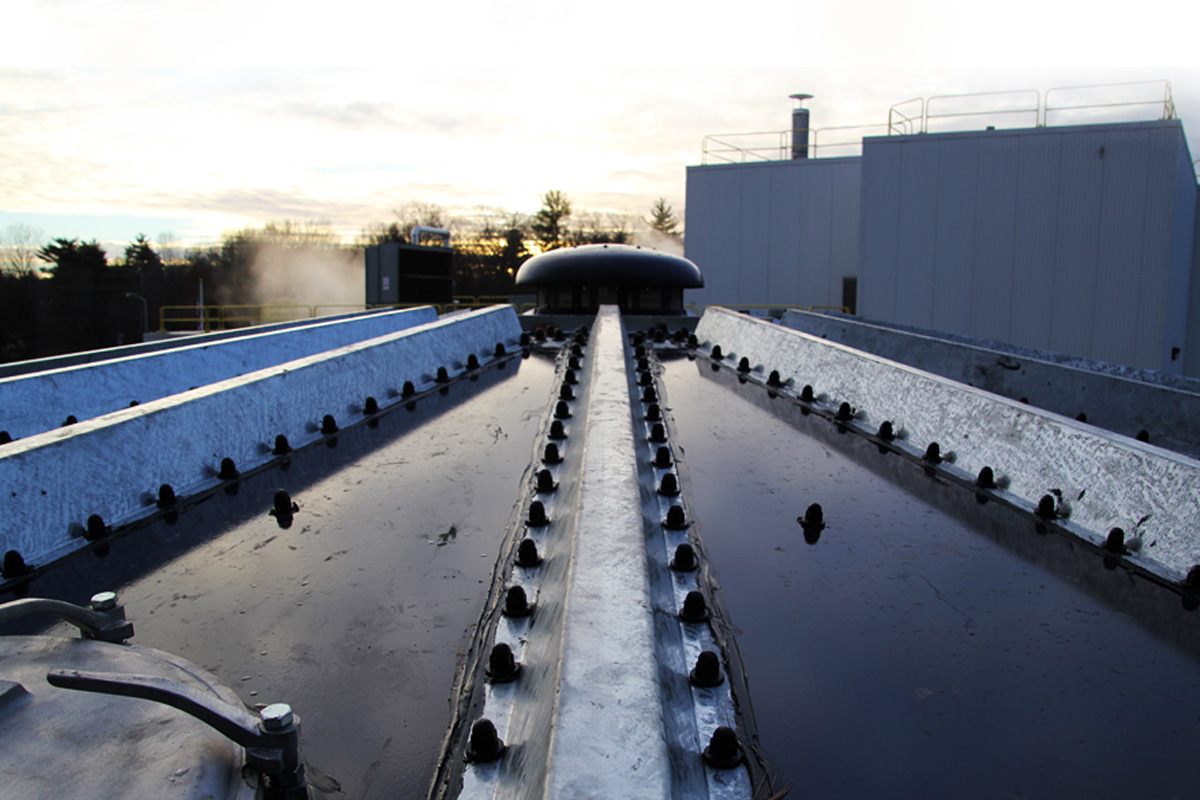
(754, 255)
(1033, 259)
(786, 263)
(879, 229)
(991, 303)
(711, 241)
(1179, 281)
(954, 236)
(917, 241)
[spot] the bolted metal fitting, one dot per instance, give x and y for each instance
(537, 515)
(724, 751)
(516, 604)
(282, 503)
(806, 394)
(14, 564)
(328, 425)
(5, 437)
(527, 553)
(408, 389)
(472, 361)
(743, 365)
(577, 350)
(986, 479)
(277, 717)
(1081, 417)
(694, 609)
(1046, 507)
(566, 393)
(643, 364)
(707, 672)
(502, 666)
(371, 406)
(933, 454)
(692, 341)
(229, 470)
(773, 380)
(557, 431)
(675, 521)
(1143, 435)
(813, 519)
(1192, 581)
(573, 363)
(562, 410)
(166, 496)
(662, 457)
(443, 375)
(104, 601)
(545, 482)
(499, 352)
(645, 379)
(95, 528)
(653, 413)
(717, 355)
(551, 455)
(637, 338)
(557, 334)
(658, 433)
(684, 559)
(660, 335)
(524, 340)
(1115, 543)
(649, 395)
(886, 433)
(570, 377)
(669, 487)
(845, 413)
(70, 420)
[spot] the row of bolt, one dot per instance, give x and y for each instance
(484, 743)
(1048, 507)
(724, 750)
(166, 499)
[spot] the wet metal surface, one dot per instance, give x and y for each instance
(925, 645)
(354, 613)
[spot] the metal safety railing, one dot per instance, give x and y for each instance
(183, 319)
(735, 148)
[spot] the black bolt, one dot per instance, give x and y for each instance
(685, 558)
(485, 744)
(662, 457)
(653, 413)
(658, 433)
(371, 406)
(724, 751)
(545, 482)
(562, 410)
(95, 528)
(1143, 435)
(1192, 581)
(681, 335)
(573, 363)
(524, 340)
(566, 393)
(645, 379)
(499, 352)
(814, 517)
(669, 485)
(649, 395)
(14, 564)
(328, 425)
(558, 335)
(744, 365)
(569, 377)
(527, 553)
(845, 413)
(409, 390)
(5, 437)
(773, 379)
(885, 431)
(551, 456)
(281, 445)
(472, 361)
(1045, 507)
(443, 376)
(707, 671)
(806, 394)
(716, 352)
(133, 403)
(537, 515)
(502, 666)
(166, 496)
(694, 608)
(577, 350)
(986, 479)
(692, 341)
(637, 338)
(933, 453)
(516, 604)
(229, 470)
(282, 503)
(1081, 417)
(660, 335)
(557, 431)
(675, 519)
(1115, 543)
(643, 364)
(70, 420)
(539, 334)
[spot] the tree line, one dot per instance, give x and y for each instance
(66, 295)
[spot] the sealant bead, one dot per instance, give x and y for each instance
(649, 395)
(1192, 581)
(1115, 543)
(566, 393)
(282, 503)
(645, 379)
(573, 363)
(502, 667)
(724, 751)
(658, 433)
(484, 743)
(557, 431)
(500, 350)
(562, 410)
(516, 604)
(551, 454)
(537, 515)
(694, 608)
(1143, 435)
(933, 453)
(166, 495)
(569, 377)
(328, 425)
(886, 431)
(70, 420)
(653, 412)
(524, 340)
(229, 470)
(845, 413)
(545, 481)
(14, 564)
(707, 672)
(669, 485)
(675, 518)
(717, 355)
(409, 389)
(5, 437)
(814, 517)
(95, 528)
(1045, 507)
(443, 375)
(662, 457)
(643, 364)
(371, 406)
(684, 559)
(527, 553)
(281, 445)
(986, 479)
(743, 365)
(773, 379)
(806, 394)
(472, 361)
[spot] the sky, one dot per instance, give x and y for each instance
(128, 117)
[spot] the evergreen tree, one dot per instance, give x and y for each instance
(662, 219)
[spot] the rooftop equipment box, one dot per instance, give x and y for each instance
(405, 273)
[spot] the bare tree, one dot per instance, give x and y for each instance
(19, 245)
(170, 247)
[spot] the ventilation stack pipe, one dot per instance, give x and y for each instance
(800, 126)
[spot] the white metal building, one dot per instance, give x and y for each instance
(1079, 239)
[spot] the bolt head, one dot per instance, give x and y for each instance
(277, 717)
(104, 601)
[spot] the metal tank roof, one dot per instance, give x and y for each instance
(609, 265)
